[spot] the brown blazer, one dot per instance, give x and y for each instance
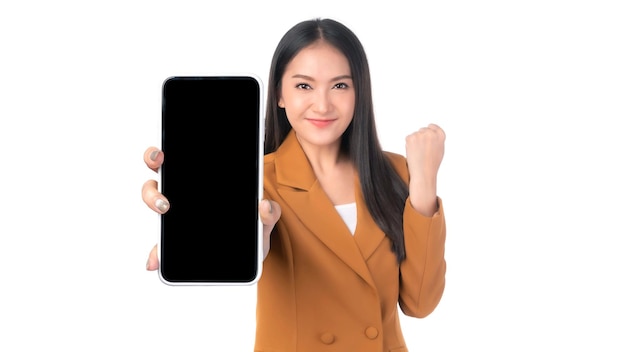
(323, 289)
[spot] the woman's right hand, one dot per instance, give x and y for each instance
(269, 210)
(153, 157)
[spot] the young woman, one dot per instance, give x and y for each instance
(351, 231)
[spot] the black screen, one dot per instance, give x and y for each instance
(210, 174)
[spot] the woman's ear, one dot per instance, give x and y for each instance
(281, 104)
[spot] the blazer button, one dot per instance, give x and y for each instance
(327, 338)
(371, 332)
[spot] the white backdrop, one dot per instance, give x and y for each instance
(532, 96)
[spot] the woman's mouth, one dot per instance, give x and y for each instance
(320, 123)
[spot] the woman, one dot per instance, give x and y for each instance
(350, 231)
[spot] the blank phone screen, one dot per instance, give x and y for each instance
(212, 142)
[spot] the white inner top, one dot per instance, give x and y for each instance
(348, 214)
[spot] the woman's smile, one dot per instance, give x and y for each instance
(321, 122)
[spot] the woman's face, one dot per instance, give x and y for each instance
(318, 94)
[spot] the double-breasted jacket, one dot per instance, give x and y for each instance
(323, 288)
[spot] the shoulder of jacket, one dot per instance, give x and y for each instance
(398, 162)
(395, 158)
(269, 158)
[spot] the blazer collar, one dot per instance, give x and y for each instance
(292, 165)
(304, 195)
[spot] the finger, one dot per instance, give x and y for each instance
(153, 157)
(153, 198)
(437, 129)
(153, 260)
(270, 212)
(430, 132)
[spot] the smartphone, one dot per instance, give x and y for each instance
(212, 174)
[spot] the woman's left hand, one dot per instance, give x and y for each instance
(424, 153)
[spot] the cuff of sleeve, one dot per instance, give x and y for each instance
(409, 210)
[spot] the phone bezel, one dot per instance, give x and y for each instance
(261, 141)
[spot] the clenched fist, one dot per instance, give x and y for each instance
(424, 153)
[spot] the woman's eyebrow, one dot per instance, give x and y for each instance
(338, 78)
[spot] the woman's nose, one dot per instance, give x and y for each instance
(322, 103)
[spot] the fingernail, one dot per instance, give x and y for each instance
(154, 155)
(162, 205)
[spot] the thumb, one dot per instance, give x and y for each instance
(269, 211)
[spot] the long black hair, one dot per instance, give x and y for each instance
(384, 190)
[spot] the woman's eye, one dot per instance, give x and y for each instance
(303, 86)
(341, 85)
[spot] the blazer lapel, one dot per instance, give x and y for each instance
(304, 195)
(367, 235)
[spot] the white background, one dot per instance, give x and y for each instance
(532, 95)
